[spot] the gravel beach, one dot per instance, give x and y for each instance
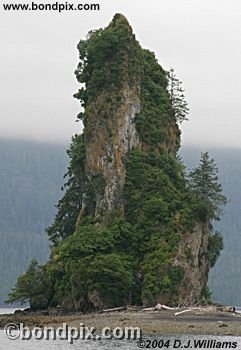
(155, 322)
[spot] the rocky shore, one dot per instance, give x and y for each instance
(213, 321)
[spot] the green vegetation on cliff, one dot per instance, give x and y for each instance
(128, 225)
(71, 203)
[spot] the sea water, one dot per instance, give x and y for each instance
(175, 342)
(8, 310)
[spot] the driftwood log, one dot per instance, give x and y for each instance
(188, 310)
(159, 307)
(121, 308)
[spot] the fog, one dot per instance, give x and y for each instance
(200, 39)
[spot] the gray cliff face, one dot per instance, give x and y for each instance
(192, 257)
(108, 142)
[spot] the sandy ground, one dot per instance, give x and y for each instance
(155, 322)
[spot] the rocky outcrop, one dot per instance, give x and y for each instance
(111, 131)
(192, 257)
(132, 110)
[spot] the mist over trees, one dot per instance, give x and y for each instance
(31, 175)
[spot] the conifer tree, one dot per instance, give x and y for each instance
(70, 205)
(33, 286)
(178, 102)
(203, 181)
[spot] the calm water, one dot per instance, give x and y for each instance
(6, 344)
(8, 311)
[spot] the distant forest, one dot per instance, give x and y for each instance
(31, 175)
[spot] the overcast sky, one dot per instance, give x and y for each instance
(201, 39)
